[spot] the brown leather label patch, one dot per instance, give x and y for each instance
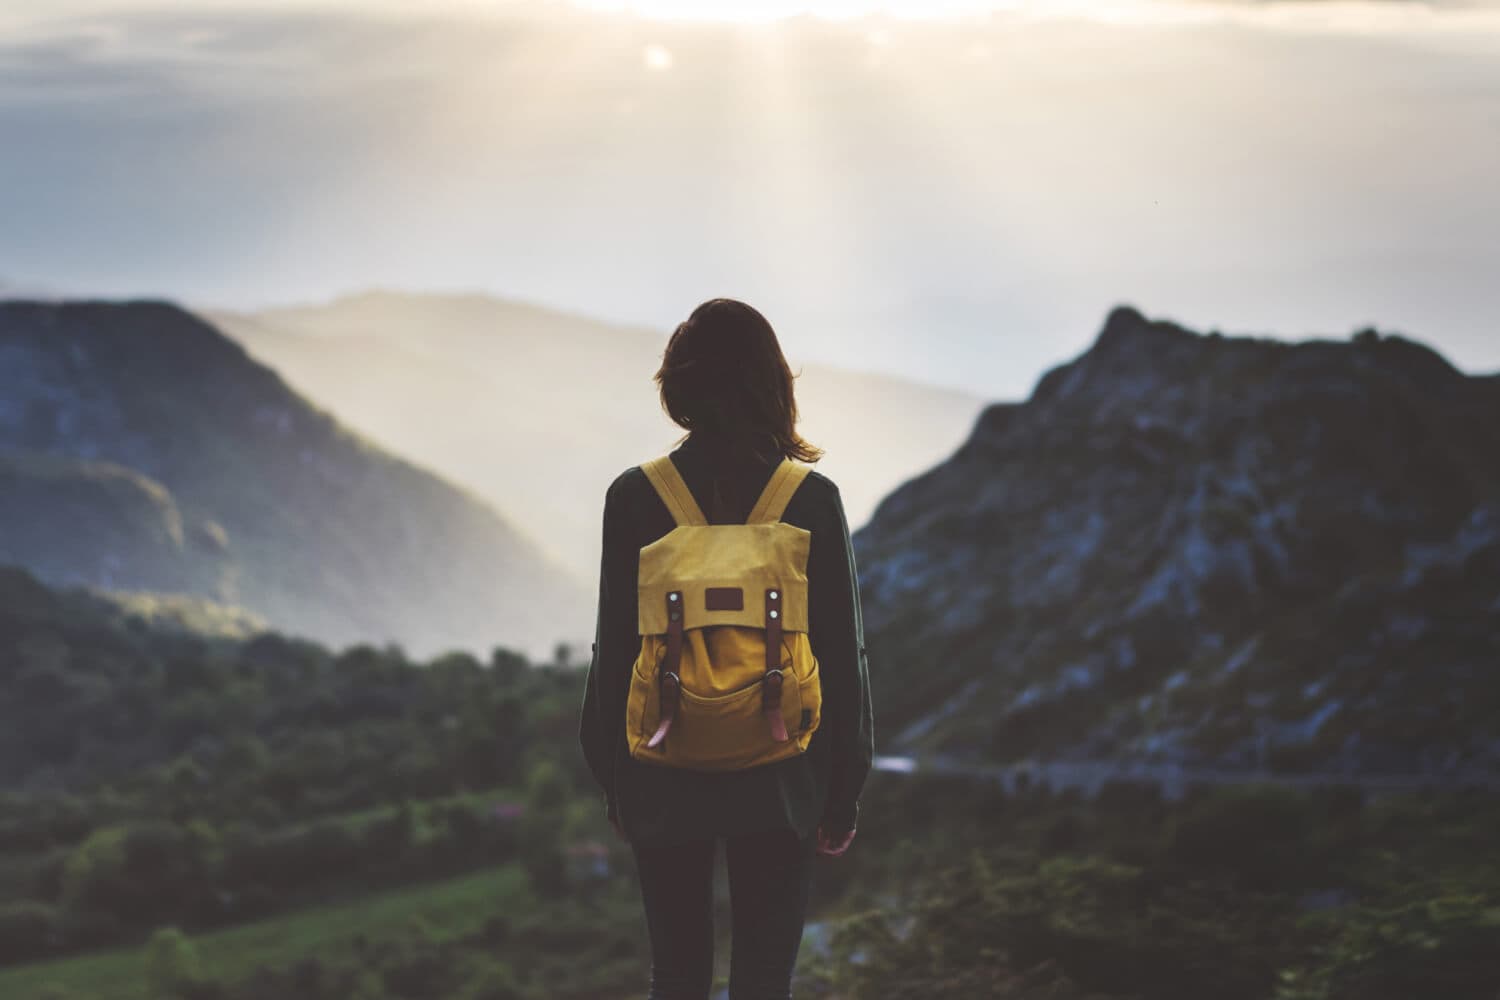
(724, 599)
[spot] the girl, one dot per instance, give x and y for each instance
(724, 380)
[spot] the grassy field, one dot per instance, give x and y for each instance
(451, 908)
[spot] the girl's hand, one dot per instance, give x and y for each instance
(830, 848)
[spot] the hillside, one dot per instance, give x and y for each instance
(98, 524)
(142, 449)
(437, 377)
(1203, 549)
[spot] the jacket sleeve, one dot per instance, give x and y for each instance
(601, 729)
(836, 631)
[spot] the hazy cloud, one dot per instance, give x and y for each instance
(960, 202)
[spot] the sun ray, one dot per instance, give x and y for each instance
(517, 99)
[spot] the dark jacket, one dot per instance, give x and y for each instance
(657, 803)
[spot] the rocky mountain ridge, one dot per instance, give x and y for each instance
(142, 449)
(1204, 549)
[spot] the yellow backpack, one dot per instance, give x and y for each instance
(725, 678)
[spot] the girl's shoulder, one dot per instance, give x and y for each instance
(820, 484)
(635, 478)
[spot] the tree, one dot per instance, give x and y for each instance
(546, 787)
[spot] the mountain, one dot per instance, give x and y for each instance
(142, 449)
(489, 393)
(1203, 550)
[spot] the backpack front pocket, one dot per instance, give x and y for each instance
(728, 731)
(724, 730)
(810, 706)
(643, 700)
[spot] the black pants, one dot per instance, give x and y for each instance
(769, 878)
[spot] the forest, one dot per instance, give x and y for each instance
(195, 818)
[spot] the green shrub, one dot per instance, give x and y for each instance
(1446, 945)
(28, 930)
(495, 982)
(171, 967)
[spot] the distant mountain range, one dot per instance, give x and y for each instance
(1202, 549)
(142, 450)
(1191, 549)
(538, 410)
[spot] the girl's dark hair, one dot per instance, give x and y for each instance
(723, 376)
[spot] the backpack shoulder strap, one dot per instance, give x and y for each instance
(778, 492)
(673, 491)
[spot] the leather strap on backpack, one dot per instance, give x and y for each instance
(670, 682)
(770, 688)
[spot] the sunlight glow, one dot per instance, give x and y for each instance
(1361, 16)
(657, 57)
(775, 10)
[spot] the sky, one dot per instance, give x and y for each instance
(959, 199)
